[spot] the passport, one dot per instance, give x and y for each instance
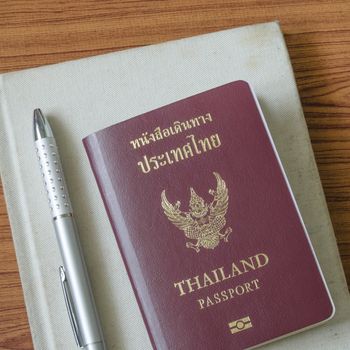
(210, 233)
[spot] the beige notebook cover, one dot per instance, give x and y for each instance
(80, 97)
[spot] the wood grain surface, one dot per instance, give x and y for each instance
(317, 33)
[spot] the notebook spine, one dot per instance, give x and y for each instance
(25, 243)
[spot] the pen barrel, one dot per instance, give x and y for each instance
(52, 173)
(85, 312)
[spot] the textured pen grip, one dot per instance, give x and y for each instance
(52, 173)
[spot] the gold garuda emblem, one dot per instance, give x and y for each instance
(203, 222)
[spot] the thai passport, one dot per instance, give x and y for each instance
(213, 242)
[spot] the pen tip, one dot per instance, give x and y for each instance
(37, 113)
(41, 126)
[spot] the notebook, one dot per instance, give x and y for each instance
(80, 97)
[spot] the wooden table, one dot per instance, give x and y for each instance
(317, 33)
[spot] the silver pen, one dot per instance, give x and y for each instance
(73, 274)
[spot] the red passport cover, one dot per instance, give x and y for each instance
(209, 231)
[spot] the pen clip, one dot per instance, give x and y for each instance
(70, 306)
